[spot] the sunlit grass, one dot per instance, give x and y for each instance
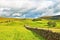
(17, 33)
(15, 30)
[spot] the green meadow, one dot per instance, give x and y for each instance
(15, 30)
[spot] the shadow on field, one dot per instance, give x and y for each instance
(48, 35)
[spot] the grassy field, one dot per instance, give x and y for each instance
(13, 29)
(42, 24)
(16, 31)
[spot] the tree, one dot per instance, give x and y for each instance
(51, 24)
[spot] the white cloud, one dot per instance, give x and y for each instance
(26, 5)
(45, 4)
(57, 13)
(17, 3)
(16, 14)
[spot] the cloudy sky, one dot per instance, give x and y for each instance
(29, 8)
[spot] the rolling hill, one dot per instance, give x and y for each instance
(13, 29)
(51, 17)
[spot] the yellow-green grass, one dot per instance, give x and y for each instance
(16, 31)
(42, 24)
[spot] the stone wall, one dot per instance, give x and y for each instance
(48, 35)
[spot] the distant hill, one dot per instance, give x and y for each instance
(3, 18)
(51, 17)
(57, 17)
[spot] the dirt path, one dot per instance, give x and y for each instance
(51, 29)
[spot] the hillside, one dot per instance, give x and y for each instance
(51, 17)
(13, 29)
